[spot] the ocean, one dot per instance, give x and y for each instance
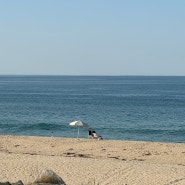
(139, 108)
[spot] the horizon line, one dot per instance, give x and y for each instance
(89, 75)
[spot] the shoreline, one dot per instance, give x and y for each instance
(105, 139)
(83, 161)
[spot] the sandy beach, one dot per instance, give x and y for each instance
(89, 162)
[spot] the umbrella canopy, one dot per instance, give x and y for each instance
(78, 124)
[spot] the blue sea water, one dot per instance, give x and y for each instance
(142, 108)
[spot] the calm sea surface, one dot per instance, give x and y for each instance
(118, 107)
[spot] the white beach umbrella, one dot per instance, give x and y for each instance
(78, 124)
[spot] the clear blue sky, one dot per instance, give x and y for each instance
(97, 37)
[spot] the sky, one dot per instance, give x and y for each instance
(98, 37)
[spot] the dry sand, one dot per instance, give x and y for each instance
(89, 162)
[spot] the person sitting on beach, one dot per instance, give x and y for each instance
(90, 133)
(96, 136)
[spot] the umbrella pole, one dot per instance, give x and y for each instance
(78, 132)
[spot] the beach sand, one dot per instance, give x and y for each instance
(89, 162)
